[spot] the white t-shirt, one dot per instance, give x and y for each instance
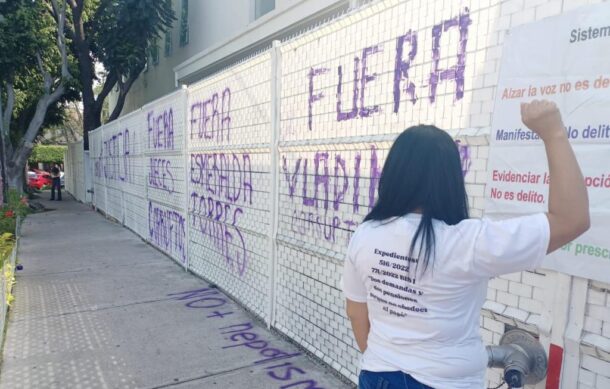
(428, 327)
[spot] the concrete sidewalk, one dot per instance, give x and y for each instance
(96, 307)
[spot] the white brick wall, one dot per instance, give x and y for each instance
(325, 166)
(595, 348)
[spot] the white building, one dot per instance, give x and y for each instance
(209, 35)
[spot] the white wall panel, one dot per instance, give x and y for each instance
(229, 173)
(162, 143)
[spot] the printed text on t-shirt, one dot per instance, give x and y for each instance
(391, 280)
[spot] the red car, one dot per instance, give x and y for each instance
(38, 179)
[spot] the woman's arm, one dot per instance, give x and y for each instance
(358, 314)
(568, 200)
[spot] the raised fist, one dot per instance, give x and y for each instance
(542, 117)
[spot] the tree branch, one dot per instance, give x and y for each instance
(124, 88)
(51, 10)
(72, 133)
(25, 146)
(61, 40)
(8, 110)
(78, 112)
(48, 81)
(64, 133)
(110, 82)
(68, 30)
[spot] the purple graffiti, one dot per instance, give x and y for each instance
(273, 360)
(322, 217)
(354, 111)
(160, 174)
(226, 182)
(98, 164)
(464, 151)
(226, 176)
(401, 70)
(321, 177)
(360, 77)
(218, 221)
(291, 179)
(211, 118)
(402, 82)
(242, 335)
(455, 72)
(365, 79)
(315, 225)
(161, 130)
(113, 162)
(356, 199)
(339, 194)
(314, 97)
(204, 298)
(166, 229)
(328, 192)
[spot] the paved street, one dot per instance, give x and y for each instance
(96, 307)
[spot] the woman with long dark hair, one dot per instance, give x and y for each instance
(416, 271)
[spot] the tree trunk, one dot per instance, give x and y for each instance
(14, 178)
(3, 187)
(86, 68)
(89, 123)
(6, 113)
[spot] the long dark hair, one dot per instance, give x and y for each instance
(422, 173)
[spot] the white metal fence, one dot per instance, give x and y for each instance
(74, 171)
(255, 177)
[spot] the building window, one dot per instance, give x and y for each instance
(184, 23)
(262, 7)
(154, 52)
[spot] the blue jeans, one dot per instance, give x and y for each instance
(56, 184)
(388, 380)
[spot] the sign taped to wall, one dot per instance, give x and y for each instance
(563, 59)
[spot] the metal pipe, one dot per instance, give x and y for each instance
(521, 356)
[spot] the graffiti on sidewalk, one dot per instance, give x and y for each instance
(243, 336)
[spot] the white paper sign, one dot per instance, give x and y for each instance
(564, 59)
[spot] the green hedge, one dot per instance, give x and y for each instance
(47, 154)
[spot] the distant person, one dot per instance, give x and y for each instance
(417, 268)
(56, 182)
